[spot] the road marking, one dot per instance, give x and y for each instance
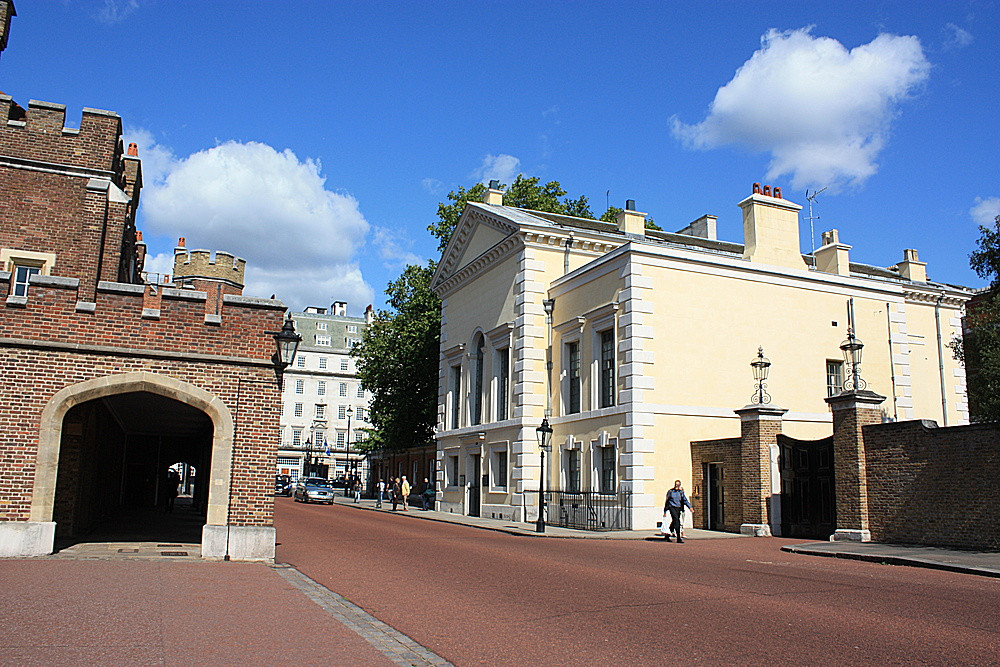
(389, 642)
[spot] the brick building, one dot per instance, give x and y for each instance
(110, 380)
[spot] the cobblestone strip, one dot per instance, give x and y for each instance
(393, 644)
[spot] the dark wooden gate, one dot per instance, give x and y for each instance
(808, 497)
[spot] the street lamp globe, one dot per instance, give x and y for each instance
(544, 435)
(287, 342)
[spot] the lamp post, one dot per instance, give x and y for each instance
(544, 435)
(347, 463)
(308, 457)
(760, 367)
(851, 348)
(287, 343)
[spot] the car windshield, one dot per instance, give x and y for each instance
(317, 481)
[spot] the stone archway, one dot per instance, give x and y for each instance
(51, 425)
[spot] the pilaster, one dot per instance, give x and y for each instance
(852, 411)
(760, 425)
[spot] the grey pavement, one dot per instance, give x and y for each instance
(982, 563)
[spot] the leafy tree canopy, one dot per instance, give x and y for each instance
(397, 362)
(979, 347)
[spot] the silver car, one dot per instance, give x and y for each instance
(313, 490)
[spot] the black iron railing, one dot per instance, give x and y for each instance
(589, 510)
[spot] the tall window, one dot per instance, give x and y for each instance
(607, 394)
(361, 391)
(341, 439)
(503, 382)
(573, 376)
(298, 410)
(341, 412)
(300, 361)
(296, 437)
(320, 411)
(572, 470)
(300, 386)
(343, 389)
(343, 364)
(453, 471)
(321, 388)
(834, 377)
(456, 395)
(477, 387)
(22, 274)
(322, 362)
(499, 469)
(608, 465)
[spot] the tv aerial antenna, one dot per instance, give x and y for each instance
(812, 218)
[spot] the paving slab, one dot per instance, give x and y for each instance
(982, 563)
(63, 611)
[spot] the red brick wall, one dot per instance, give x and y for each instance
(41, 373)
(727, 452)
(934, 486)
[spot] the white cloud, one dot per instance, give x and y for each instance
(432, 186)
(956, 37)
(822, 111)
(300, 239)
(985, 210)
(393, 249)
(503, 168)
(113, 11)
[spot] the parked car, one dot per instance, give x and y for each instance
(313, 490)
(283, 485)
(339, 483)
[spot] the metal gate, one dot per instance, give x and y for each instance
(808, 495)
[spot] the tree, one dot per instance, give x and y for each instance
(979, 347)
(398, 362)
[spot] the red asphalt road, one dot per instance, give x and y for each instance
(481, 597)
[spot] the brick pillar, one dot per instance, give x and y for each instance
(760, 425)
(852, 411)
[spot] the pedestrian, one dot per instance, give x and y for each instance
(405, 488)
(173, 481)
(395, 493)
(427, 494)
(675, 502)
(357, 490)
(379, 490)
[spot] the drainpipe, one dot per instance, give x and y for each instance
(940, 344)
(569, 245)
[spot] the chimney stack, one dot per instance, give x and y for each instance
(771, 229)
(493, 195)
(631, 221)
(912, 268)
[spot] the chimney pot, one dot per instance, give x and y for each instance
(133, 149)
(494, 185)
(180, 242)
(629, 204)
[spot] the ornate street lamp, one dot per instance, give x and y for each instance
(852, 359)
(307, 457)
(544, 435)
(287, 343)
(760, 367)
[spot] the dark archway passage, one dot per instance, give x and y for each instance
(113, 479)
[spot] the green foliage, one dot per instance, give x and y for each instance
(986, 261)
(398, 362)
(979, 347)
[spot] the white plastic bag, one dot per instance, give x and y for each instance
(665, 524)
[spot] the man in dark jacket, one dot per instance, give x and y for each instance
(675, 503)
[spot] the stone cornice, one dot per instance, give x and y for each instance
(931, 295)
(481, 264)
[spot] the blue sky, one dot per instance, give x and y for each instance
(316, 139)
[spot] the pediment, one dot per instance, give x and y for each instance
(477, 231)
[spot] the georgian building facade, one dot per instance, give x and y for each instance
(634, 343)
(324, 409)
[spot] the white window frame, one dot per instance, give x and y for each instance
(322, 362)
(323, 340)
(297, 410)
(300, 361)
(500, 341)
(320, 411)
(569, 332)
(343, 390)
(597, 448)
(496, 451)
(321, 326)
(344, 365)
(321, 388)
(300, 386)
(600, 320)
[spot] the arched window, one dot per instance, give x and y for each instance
(477, 381)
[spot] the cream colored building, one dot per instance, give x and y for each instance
(651, 338)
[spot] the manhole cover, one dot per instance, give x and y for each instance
(173, 553)
(128, 551)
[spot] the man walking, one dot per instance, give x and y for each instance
(675, 503)
(379, 490)
(405, 488)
